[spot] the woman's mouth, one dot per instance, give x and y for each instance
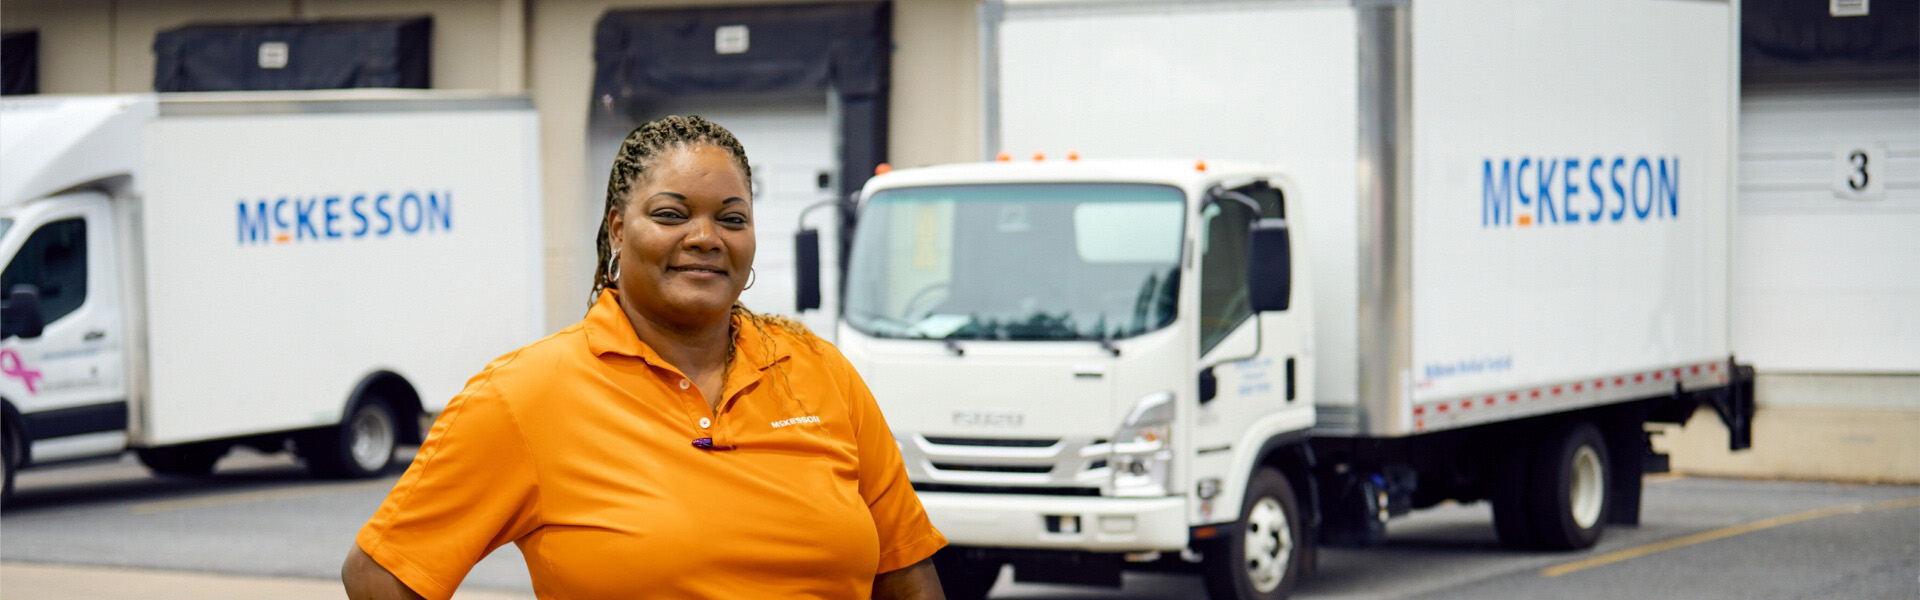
(700, 271)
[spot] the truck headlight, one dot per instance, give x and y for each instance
(1142, 449)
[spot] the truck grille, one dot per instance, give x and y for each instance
(990, 442)
(949, 463)
(993, 468)
(1005, 489)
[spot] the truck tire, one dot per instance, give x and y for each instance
(1262, 561)
(195, 460)
(361, 446)
(963, 577)
(1569, 492)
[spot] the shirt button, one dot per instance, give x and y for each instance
(705, 422)
(684, 384)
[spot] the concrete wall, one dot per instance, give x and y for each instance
(543, 47)
(100, 46)
(1812, 426)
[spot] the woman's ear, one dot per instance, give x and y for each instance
(616, 227)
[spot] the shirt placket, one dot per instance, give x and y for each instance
(702, 420)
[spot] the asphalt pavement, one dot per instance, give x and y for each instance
(262, 528)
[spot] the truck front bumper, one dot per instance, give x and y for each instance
(1098, 524)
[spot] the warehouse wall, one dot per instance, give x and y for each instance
(542, 47)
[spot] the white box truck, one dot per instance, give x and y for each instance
(1480, 245)
(190, 272)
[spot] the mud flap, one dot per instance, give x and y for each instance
(1734, 404)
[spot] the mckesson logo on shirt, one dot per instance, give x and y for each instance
(795, 421)
(332, 217)
(1572, 190)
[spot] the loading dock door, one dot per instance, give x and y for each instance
(804, 87)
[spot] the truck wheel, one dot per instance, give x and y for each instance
(361, 446)
(963, 577)
(183, 461)
(1263, 561)
(1569, 492)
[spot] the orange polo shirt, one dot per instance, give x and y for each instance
(579, 448)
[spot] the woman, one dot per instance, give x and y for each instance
(671, 444)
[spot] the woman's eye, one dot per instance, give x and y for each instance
(734, 220)
(667, 214)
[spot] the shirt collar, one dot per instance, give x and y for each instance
(609, 331)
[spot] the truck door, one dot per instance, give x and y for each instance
(1253, 372)
(70, 380)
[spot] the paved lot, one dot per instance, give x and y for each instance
(261, 528)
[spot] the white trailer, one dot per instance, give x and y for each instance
(190, 272)
(1505, 253)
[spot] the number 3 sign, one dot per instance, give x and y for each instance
(1859, 172)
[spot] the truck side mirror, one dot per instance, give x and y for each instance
(22, 313)
(806, 255)
(1270, 265)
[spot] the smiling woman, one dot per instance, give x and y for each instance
(672, 443)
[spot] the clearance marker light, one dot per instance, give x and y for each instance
(1039, 156)
(882, 169)
(1003, 156)
(1073, 155)
(1200, 165)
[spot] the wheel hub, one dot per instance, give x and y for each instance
(373, 439)
(1587, 491)
(1269, 544)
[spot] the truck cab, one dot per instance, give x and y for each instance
(1084, 363)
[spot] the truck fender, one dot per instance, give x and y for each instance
(399, 394)
(1267, 439)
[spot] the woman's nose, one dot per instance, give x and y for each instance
(702, 237)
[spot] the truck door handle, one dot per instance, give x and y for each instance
(93, 335)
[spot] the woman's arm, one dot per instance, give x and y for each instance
(914, 582)
(367, 580)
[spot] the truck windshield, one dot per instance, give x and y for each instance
(1068, 261)
(5, 224)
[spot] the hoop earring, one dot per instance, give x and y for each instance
(613, 268)
(750, 279)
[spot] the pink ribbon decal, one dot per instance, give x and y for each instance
(10, 365)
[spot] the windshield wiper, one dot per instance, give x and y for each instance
(1107, 344)
(954, 347)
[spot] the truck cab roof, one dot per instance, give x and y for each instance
(53, 143)
(1190, 175)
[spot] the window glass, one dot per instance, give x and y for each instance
(1225, 300)
(1066, 261)
(53, 259)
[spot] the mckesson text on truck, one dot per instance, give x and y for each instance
(1325, 263)
(1553, 194)
(190, 272)
(345, 216)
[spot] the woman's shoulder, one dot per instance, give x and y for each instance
(535, 365)
(791, 337)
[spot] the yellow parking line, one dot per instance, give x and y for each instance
(1725, 532)
(148, 508)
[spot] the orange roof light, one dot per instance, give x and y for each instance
(1073, 155)
(882, 169)
(1003, 156)
(1200, 165)
(1039, 156)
